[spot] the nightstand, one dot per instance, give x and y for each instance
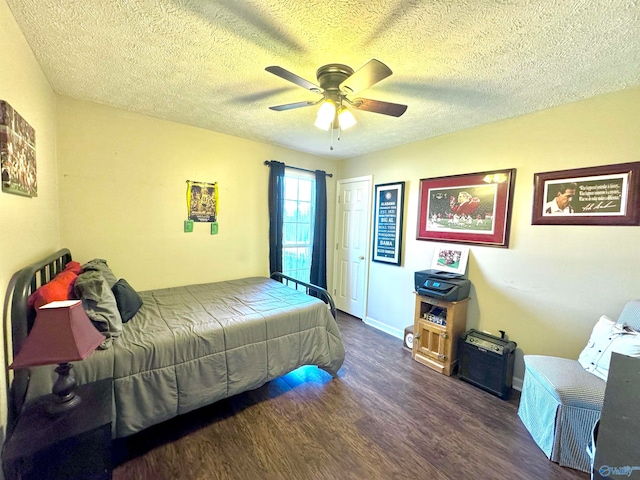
(73, 445)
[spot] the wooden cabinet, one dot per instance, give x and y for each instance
(436, 329)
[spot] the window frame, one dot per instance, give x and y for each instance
(297, 175)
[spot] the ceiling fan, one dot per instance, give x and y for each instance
(336, 83)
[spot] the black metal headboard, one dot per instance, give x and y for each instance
(21, 285)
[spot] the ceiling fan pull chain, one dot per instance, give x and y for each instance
(331, 147)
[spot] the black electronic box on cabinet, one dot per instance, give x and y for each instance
(486, 361)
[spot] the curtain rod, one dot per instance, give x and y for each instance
(330, 175)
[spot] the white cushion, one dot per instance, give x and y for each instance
(607, 337)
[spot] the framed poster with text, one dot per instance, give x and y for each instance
(604, 195)
(387, 223)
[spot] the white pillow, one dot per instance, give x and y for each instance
(607, 337)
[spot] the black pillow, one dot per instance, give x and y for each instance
(128, 300)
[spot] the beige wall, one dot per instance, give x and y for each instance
(121, 178)
(29, 226)
(551, 285)
(123, 196)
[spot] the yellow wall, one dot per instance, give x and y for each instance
(28, 226)
(111, 184)
(551, 285)
(123, 196)
(121, 181)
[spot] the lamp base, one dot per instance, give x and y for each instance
(65, 399)
(60, 405)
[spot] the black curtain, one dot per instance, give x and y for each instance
(319, 254)
(276, 213)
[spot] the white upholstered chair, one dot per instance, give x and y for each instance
(561, 402)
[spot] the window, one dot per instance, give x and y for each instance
(299, 195)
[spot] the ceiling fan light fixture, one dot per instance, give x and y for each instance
(326, 114)
(335, 83)
(346, 118)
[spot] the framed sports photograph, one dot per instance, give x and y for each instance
(451, 258)
(603, 195)
(387, 223)
(17, 153)
(472, 208)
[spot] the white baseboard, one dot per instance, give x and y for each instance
(385, 328)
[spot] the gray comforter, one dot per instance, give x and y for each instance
(190, 346)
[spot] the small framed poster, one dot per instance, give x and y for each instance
(451, 258)
(387, 223)
(202, 201)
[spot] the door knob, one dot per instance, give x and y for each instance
(361, 257)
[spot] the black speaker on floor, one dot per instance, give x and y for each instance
(486, 361)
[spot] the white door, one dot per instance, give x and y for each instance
(353, 222)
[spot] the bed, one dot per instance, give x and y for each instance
(188, 346)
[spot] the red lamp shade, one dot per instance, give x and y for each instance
(61, 333)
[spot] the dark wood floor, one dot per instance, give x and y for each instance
(385, 417)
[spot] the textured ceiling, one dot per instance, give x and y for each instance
(456, 63)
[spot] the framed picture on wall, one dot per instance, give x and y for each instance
(17, 153)
(473, 208)
(387, 223)
(604, 195)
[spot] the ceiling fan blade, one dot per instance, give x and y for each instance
(369, 74)
(291, 106)
(293, 78)
(377, 106)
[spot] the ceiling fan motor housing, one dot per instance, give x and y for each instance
(331, 76)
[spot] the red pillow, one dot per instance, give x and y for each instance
(60, 288)
(75, 267)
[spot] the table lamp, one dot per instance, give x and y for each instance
(62, 333)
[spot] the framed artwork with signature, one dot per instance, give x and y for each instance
(603, 195)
